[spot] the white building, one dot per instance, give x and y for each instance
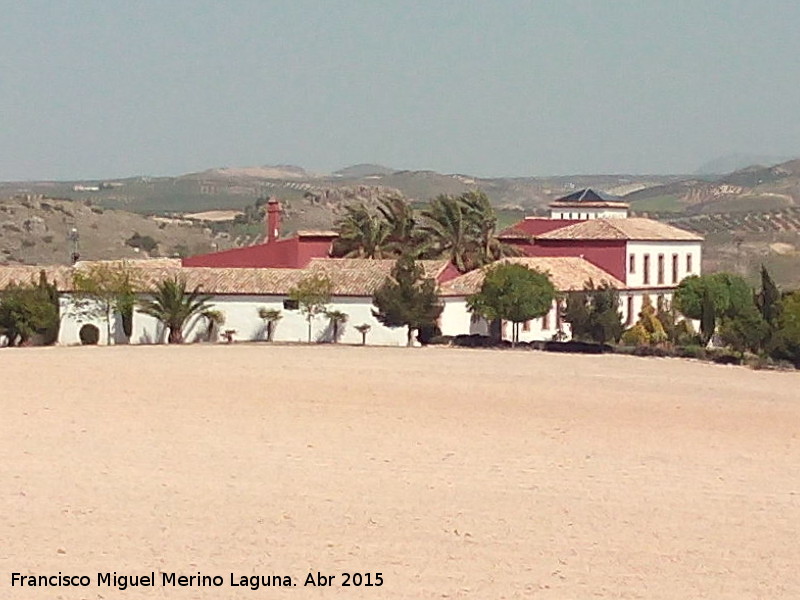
(568, 274)
(588, 204)
(239, 293)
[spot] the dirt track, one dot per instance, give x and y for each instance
(454, 473)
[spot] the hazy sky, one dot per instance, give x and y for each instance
(111, 88)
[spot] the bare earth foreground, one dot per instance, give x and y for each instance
(454, 473)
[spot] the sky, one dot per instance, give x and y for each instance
(114, 88)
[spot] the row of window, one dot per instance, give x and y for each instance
(660, 271)
(630, 315)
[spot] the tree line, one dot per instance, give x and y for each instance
(461, 229)
(763, 321)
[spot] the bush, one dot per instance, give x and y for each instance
(692, 351)
(427, 332)
(441, 340)
(577, 347)
(723, 356)
(143, 242)
(636, 336)
(473, 340)
(89, 335)
(658, 351)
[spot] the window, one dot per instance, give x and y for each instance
(629, 318)
(526, 326)
(660, 269)
(688, 264)
(291, 304)
(546, 320)
(646, 270)
(674, 268)
(632, 264)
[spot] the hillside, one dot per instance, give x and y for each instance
(752, 189)
(233, 188)
(759, 206)
(36, 231)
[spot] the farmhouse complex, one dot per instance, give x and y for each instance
(587, 237)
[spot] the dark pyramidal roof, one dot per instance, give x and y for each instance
(589, 195)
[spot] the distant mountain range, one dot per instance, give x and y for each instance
(754, 203)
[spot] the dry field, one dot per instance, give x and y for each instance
(453, 473)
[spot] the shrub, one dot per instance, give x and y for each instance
(143, 242)
(636, 336)
(89, 335)
(692, 351)
(723, 356)
(577, 347)
(441, 340)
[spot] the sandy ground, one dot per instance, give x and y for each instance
(453, 473)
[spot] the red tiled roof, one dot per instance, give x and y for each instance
(635, 229)
(531, 227)
(568, 274)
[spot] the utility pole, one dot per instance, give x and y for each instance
(74, 237)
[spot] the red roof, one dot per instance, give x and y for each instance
(533, 226)
(294, 252)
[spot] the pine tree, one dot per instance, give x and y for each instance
(407, 298)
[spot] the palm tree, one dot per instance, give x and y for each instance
(215, 318)
(171, 304)
(483, 220)
(337, 318)
(450, 235)
(271, 316)
(404, 235)
(464, 229)
(362, 234)
(363, 329)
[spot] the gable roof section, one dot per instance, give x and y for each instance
(531, 227)
(568, 274)
(634, 229)
(350, 277)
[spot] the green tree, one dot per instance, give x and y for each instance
(463, 229)
(786, 341)
(337, 319)
(513, 292)
(362, 234)
(708, 315)
(768, 299)
(270, 316)
(28, 310)
(746, 331)
(407, 298)
(729, 293)
(312, 294)
(174, 306)
(483, 219)
(594, 315)
(103, 290)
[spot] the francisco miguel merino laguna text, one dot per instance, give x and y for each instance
(253, 582)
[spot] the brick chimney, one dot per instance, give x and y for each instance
(273, 219)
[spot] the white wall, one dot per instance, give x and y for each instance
(73, 319)
(638, 250)
(457, 320)
(588, 213)
(241, 315)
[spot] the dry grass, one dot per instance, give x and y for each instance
(455, 473)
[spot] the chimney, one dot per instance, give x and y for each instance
(273, 219)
